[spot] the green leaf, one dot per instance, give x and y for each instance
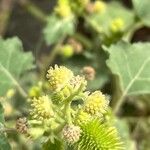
(57, 145)
(99, 136)
(131, 63)
(13, 63)
(57, 28)
(102, 21)
(142, 9)
(4, 145)
(1, 114)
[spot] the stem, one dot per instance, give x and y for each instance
(134, 27)
(67, 108)
(7, 130)
(119, 103)
(22, 91)
(34, 10)
(85, 41)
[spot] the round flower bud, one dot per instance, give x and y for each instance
(58, 77)
(99, 6)
(63, 9)
(71, 133)
(41, 108)
(89, 72)
(96, 104)
(117, 25)
(22, 125)
(66, 51)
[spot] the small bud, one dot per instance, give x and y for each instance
(63, 9)
(41, 108)
(58, 77)
(66, 51)
(71, 133)
(34, 91)
(96, 104)
(89, 72)
(77, 47)
(99, 6)
(117, 25)
(22, 125)
(10, 93)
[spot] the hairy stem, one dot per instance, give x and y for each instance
(34, 10)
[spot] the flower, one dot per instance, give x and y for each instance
(41, 108)
(22, 125)
(71, 133)
(96, 103)
(59, 77)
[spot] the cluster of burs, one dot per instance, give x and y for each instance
(70, 114)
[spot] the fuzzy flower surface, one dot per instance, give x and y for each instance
(96, 103)
(41, 108)
(58, 77)
(71, 133)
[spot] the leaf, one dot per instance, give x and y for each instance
(57, 28)
(13, 63)
(102, 21)
(4, 145)
(142, 9)
(131, 64)
(58, 145)
(1, 114)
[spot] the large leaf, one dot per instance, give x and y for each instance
(13, 63)
(142, 9)
(57, 28)
(4, 145)
(131, 64)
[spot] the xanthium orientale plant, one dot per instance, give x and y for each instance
(69, 115)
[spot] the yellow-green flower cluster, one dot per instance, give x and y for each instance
(41, 108)
(59, 77)
(96, 103)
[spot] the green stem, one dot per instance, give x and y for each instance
(7, 130)
(67, 108)
(34, 10)
(85, 41)
(134, 27)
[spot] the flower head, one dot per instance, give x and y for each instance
(22, 125)
(58, 77)
(41, 108)
(96, 103)
(71, 133)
